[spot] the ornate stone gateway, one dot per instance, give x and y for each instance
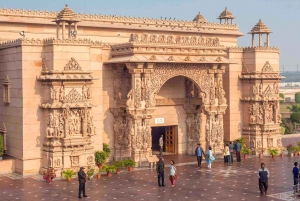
(142, 66)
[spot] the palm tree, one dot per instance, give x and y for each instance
(294, 108)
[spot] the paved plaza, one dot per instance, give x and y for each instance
(222, 182)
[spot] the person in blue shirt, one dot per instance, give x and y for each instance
(199, 153)
(296, 177)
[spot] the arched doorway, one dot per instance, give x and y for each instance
(171, 117)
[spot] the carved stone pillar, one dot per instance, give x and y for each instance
(260, 40)
(268, 39)
(253, 41)
(69, 30)
(57, 30)
(193, 123)
(75, 27)
(63, 30)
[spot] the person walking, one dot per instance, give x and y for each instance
(231, 150)
(263, 177)
(227, 154)
(296, 177)
(82, 180)
(172, 172)
(160, 169)
(238, 151)
(199, 153)
(209, 157)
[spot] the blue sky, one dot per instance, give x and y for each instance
(281, 16)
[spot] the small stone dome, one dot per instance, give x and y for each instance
(66, 14)
(199, 18)
(260, 27)
(226, 14)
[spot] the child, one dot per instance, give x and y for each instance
(296, 177)
(172, 172)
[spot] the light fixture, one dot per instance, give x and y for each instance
(22, 33)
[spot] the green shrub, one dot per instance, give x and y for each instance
(109, 168)
(290, 148)
(242, 141)
(282, 130)
(1, 145)
(129, 163)
(118, 164)
(68, 174)
(289, 127)
(100, 157)
(91, 172)
(295, 117)
(273, 152)
(246, 150)
(281, 96)
(297, 97)
(106, 148)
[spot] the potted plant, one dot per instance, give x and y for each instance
(273, 152)
(246, 151)
(118, 165)
(90, 173)
(49, 174)
(109, 169)
(100, 158)
(129, 163)
(106, 149)
(68, 174)
(290, 148)
(260, 152)
(1, 146)
(282, 150)
(99, 173)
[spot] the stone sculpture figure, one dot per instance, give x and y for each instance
(84, 92)
(62, 93)
(89, 93)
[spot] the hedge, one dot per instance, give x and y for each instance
(295, 117)
(297, 97)
(281, 96)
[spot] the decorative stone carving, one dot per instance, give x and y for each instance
(255, 90)
(57, 163)
(172, 40)
(270, 142)
(138, 93)
(256, 113)
(171, 58)
(193, 123)
(62, 93)
(117, 89)
(89, 93)
(72, 65)
(219, 59)
(75, 161)
(162, 72)
(55, 128)
(90, 160)
(129, 102)
(279, 143)
(259, 143)
(53, 93)
(152, 58)
(267, 68)
(187, 58)
(75, 97)
(244, 68)
(6, 90)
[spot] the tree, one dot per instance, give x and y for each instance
(294, 108)
(289, 127)
(297, 97)
(281, 96)
(295, 117)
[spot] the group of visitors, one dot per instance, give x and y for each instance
(160, 166)
(229, 152)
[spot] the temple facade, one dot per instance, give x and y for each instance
(72, 82)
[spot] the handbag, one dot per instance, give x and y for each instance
(212, 158)
(176, 177)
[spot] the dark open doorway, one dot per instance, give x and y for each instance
(168, 133)
(156, 133)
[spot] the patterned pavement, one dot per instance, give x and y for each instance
(222, 182)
